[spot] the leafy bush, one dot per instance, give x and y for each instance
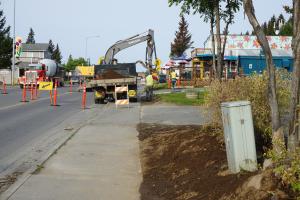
(287, 167)
(254, 89)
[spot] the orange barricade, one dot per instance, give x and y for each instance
(4, 87)
(24, 92)
(83, 103)
(55, 94)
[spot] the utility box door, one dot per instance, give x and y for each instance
(239, 136)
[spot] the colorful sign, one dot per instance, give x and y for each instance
(85, 70)
(18, 46)
(45, 85)
(251, 42)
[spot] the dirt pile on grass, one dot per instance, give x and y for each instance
(189, 163)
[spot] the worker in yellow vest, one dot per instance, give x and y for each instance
(173, 78)
(149, 86)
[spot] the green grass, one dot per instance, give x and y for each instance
(179, 98)
(160, 86)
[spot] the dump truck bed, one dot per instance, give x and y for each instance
(110, 82)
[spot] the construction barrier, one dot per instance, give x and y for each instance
(83, 102)
(71, 85)
(169, 83)
(31, 92)
(24, 98)
(36, 90)
(118, 90)
(4, 91)
(55, 95)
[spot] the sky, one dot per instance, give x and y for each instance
(70, 22)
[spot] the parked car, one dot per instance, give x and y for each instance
(75, 80)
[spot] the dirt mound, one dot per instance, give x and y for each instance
(184, 162)
(189, 163)
(109, 74)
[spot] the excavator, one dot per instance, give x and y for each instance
(147, 36)
(110, 74)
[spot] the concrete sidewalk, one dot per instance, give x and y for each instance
(100, 162)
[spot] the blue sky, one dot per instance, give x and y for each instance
(69, 22)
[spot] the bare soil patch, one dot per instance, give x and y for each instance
(189, 163)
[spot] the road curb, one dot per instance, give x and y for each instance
(26, 175)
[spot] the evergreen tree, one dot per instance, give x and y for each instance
(6, 43)
(30, 38)
(280, 19)
(265, 28)
(271, 28)
(182, 40)
(51, 47)
(57, 55)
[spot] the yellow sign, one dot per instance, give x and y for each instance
(85, 70)
(131, 93)
(45, 85)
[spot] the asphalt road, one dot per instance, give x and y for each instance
(27, 128)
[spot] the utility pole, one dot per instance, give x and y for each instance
(14, 42)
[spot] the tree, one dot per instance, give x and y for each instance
(232, 6)
(271, 26)
(265, 28)
(277, 131)
(57, 54)
(51, 47)
(30, 38)
(211, 11)
(73, 63)
(294, 110)
(6, 43)
(182, 40)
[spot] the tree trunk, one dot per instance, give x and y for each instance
(213, 46)
(224, 48)
(294, 112)
(218, 33)
(277, 131)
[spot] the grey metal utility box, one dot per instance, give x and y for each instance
(239, 136)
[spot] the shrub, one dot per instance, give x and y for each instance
(254, 89)
(287, 167)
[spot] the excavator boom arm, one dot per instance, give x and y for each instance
(129, 42)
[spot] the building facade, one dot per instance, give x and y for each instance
(31, 54)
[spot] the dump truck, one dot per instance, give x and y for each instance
(110, 74)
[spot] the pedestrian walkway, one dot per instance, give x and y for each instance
(100, 162)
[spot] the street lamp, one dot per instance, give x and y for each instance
(14, 42)
(86, 43)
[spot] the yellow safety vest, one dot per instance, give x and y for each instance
(149, 80)
(173, 75)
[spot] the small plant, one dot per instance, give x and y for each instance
(287, 167)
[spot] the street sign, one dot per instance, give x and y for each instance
(45, 85)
